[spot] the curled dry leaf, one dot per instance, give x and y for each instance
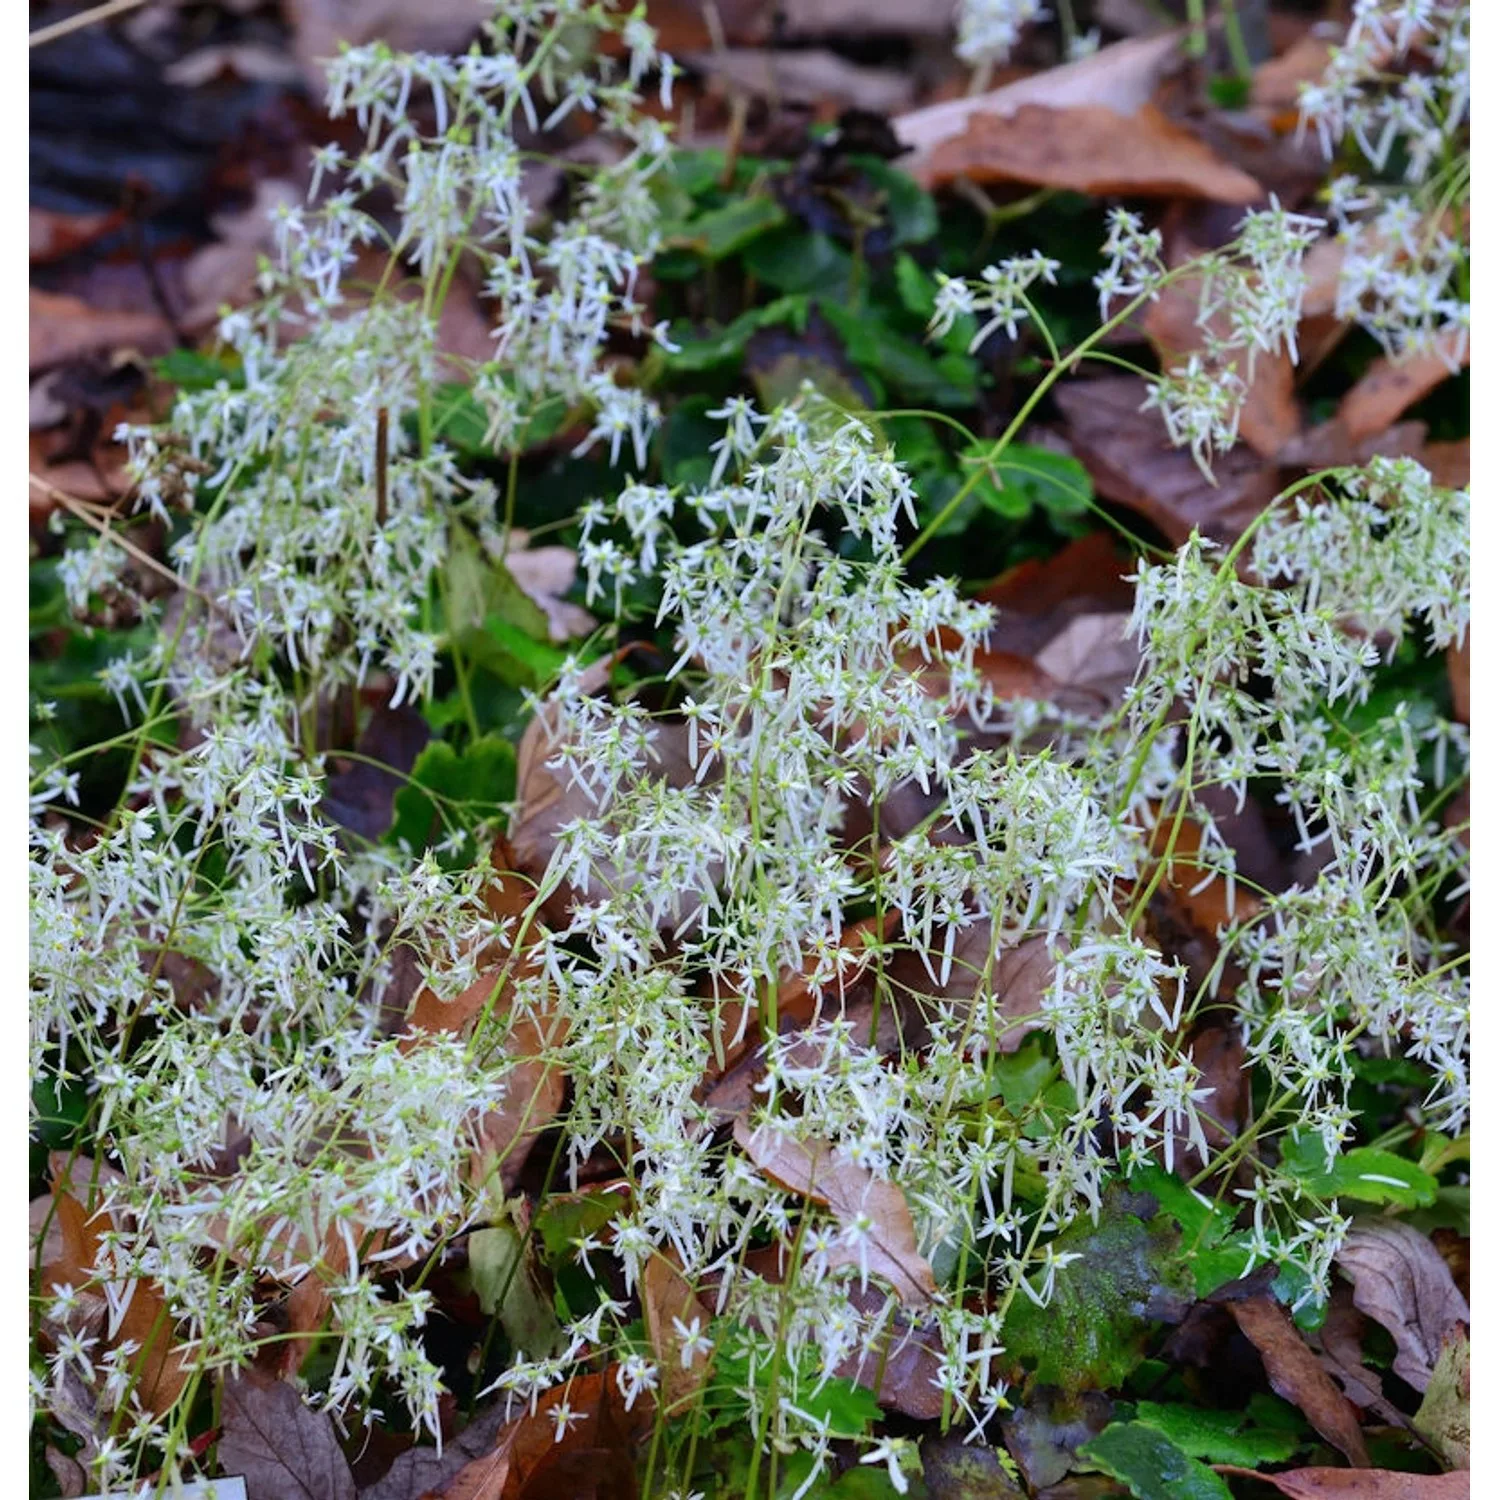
(1402, 1282)
(1090, 149)
(667, 1301)
(1296, 1376)
(1358, 1484)
(158, 1367)
(1340, 1339)
(283, 1449)
(856, 1197)
(545, 574)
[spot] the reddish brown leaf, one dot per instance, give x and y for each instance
(282, 1448)
(593, 1460)
(900, 1362)
(1448, 463)
(1341, 1340)
(1402, 1282)
(1296, 1376)
(53, 235)
(1090, 149)
(66, 328)
(1121, 78)
(1458, 680)
(667, 1299)
(1126, 451)
(1390, 386)
(814, 1169)
(1358, 1484)
(534, 1093)
(1270, 416)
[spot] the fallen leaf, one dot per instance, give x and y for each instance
(1390, 386)
(957, 1470)
(1402, 1282)
(1131, 461)
(1094, 654)
(809, 75)
(545, 574)
(897, 1360)
(1090, 149)
(667, 1300)
(595, 1460)
(1270, 416)
(422, 1470)
(318, 26)
(1045, 1432)
(1443, 1417)
(1297, 1376)
(66, 328)
(68, 1473)
(1330, 445)
(1448, 463)
(283, 1449)
(535, 1089)
(1458, 680)
(815, 1170)
(1121, 78)
(1358, 1484)
(53, 235)
(1278, 80)
(1018, 977)
(1340, 1337)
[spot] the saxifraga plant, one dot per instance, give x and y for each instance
(830, 749)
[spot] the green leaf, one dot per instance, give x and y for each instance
(1152, 1465)
(1024, 477)
(880, 351)
(1204, 1224)
(191, 371)
(565, 1218)
(1097, 1326)
(1365, 1174)
(480, 587)
(792, 260)
(728, 344)
(1221, 1437)
(514, 655)
(449, 789)
(460, 421)
(910, 209)
(504, 1284)
(722, 231)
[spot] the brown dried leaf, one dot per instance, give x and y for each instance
(545, 574)
(1448, 463)
(53, 235)
(899, 1362)
(1358, 1484)
(66, 328)
(534, 1094)
(1296, 1376)
(1340, 1339)
(1270, 416)
(1443, 1417)
(422, 1470)
(1090, 149)
(282, 1448)
(1402, 1282)
(668, 1298)
(1121, 78)
(1390, 386)
(1458, 680)
(811, 75)
(814, 1169)
(595, 1460)
(68, 1472)
(1131, 461)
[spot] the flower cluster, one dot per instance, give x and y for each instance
(1398, 88)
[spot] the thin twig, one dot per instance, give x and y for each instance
(45, 34)
(84, 512)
